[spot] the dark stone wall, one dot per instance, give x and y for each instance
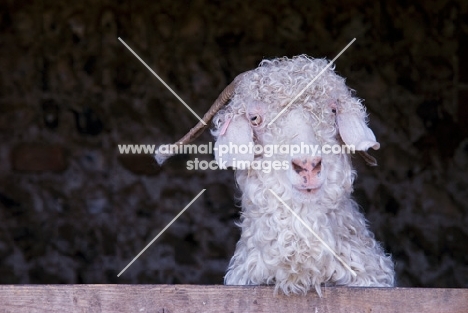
(72, 210)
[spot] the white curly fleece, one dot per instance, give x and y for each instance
(275, 248)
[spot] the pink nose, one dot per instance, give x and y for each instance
(308, 169)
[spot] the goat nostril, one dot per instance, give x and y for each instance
(316, 165)
(297, 168)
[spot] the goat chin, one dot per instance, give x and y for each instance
(306, 195)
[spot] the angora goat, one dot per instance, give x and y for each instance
(295, 251)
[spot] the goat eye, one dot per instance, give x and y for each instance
(255, 120)
(334, 110)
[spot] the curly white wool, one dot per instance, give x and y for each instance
(275, 248)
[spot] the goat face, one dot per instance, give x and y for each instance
(292, 142)
(318, 134)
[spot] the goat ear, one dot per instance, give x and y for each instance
(354, 131)
(235, 132)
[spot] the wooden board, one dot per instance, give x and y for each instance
(193, 298)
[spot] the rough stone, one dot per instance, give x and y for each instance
(70, 92)
(35, 157)
(140, 164)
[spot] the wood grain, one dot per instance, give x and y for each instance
(193, 298)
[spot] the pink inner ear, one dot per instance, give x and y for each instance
(225, 126)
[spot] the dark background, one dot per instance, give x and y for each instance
(72, 210)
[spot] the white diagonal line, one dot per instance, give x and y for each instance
(162, 231)
(315, 234)
(162, 81)
(313, 80)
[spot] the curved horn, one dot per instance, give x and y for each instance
(196, 131)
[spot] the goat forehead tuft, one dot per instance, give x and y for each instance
(280, 80)
(271, 87)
